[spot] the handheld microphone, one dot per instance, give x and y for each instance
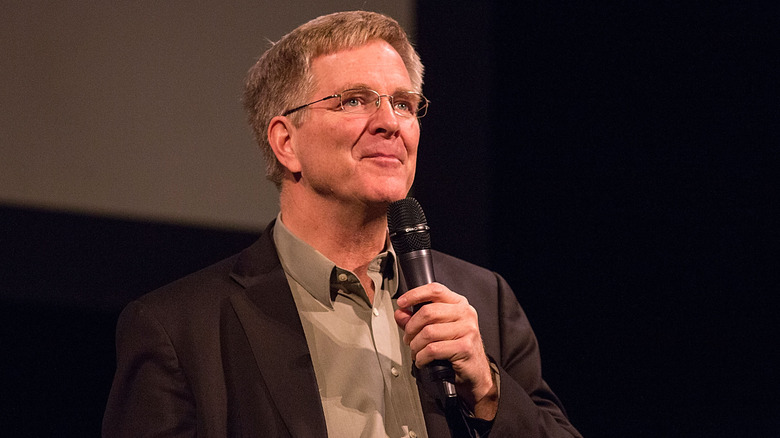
(409, 233)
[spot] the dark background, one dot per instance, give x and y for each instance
(617, 163)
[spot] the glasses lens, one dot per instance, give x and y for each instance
(365, 101)
(361, 100)
(409, 104)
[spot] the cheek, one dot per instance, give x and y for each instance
(326, 145)
(339, 139)
(412, 142)
(412, 162)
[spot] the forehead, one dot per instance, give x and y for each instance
(375, 65)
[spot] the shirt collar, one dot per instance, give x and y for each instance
(318, 274)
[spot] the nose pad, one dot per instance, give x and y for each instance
(385, 121)
(389, 102)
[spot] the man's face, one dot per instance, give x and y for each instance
(367, 158)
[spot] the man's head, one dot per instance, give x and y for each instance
(282, 78)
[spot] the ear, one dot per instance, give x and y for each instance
(280, 134)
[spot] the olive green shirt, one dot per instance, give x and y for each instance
(362, 366)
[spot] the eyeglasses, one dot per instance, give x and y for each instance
(366, 101)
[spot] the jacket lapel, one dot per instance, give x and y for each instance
(267, 313)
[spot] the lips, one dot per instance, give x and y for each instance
(385, 160)
(385, 153)
(383, 156)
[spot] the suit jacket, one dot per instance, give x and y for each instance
(222, 352)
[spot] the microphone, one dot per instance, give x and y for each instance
(409, 233)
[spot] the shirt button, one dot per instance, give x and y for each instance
(375, 311)
(412, 434)
(342, 277)
(394, 371)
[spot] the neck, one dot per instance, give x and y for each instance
(349, 234)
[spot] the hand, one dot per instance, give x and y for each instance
(447, 328)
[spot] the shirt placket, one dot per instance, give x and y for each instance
(389, 347)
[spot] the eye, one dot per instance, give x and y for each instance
(405, 103)
(356, 99)
(403, 107)
(352, 101)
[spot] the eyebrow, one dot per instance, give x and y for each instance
(362, 85)
(351, 86)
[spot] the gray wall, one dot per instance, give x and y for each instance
(132, 109)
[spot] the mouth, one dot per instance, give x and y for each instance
(384, 158)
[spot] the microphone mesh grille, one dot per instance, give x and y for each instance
(402, 216)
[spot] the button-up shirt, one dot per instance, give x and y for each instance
(362, 366)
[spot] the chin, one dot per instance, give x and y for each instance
(387, 190)
(385, 197)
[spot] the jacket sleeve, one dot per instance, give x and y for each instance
(527, 406)
(149, 395)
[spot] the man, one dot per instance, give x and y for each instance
(308, 332)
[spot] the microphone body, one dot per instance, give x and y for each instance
(417, 267)
(409, 233)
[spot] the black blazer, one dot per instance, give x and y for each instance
(222, 352)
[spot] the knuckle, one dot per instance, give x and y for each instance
(433, 349)
(426, 333)
(424, 313)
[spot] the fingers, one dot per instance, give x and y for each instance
(428, 294)
(434, 292)
(436, 317)
(445, 328)
(443, 341)
(402, 317)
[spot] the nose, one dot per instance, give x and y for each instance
(384, 121)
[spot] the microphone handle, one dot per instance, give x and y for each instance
(417, 267)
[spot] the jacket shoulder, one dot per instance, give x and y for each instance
(456, 273)
(200, 287)
(210, 285)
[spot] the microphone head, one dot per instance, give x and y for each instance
(408, 227)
